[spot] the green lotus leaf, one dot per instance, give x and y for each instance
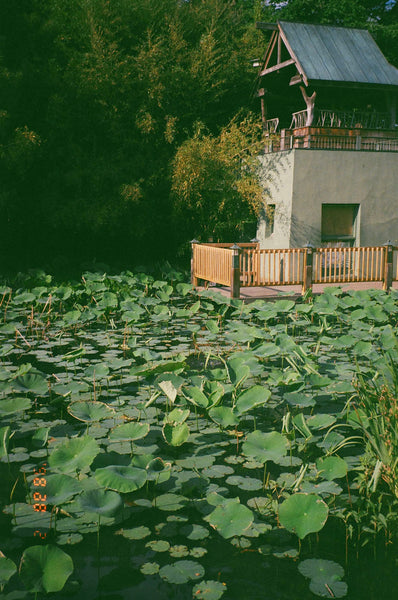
(149, 568)
(136, 533)
(196, 396)
(332, 467)
(90, 411)
(5, 434)
(99, 501)
(209, 590)
(121, 478)
(129, 432)
(11, 406)
(265, 446)
(158, 545)
(303, 514)
(45, 568)
(60, 488)
(169, 502)
(238, 369)
(182, 571)
(74, 455)
(97, 371)
(195, 532)
(158, 470)
(254, 396)
(223, 416)
(177, 416)
(7, 569)
(175, 434)
(325, 577)
(31, 382)
(69, 539)
(230, 518)
(320, 421)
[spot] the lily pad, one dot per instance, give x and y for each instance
(74, 455)
(90, 411)
(209, 590)
(129, 432)
(182, 571)
(303, 514)
(100, 502)
(230, 518)
(121, 478)
(45, 568)
(7, 569)
(265, 446)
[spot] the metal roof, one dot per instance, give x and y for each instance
(327, 53)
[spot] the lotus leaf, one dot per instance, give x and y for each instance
(303, 514)
(230, 518)
(265, 446)
(325, 577)
(137, 533)
(175, 434)
(90, 411)
(100, 502)
(169, 502)
(332, 467)
(252, 397)
(149, 568)
(223, 416)
(45, 568)
(31, 382)
(182, 571)
(129, 432)
(121, 478)
(74, 455)
(7, 569)
(196, 396)
(169, 389)
(13, 405)
(61, 488)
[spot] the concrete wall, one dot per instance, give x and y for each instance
(299, 181)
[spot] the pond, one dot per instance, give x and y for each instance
(156, 442)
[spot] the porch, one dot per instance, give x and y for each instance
(246, 266)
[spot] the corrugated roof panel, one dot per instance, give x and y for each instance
(329, 53)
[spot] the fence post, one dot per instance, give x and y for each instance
(194, 279)
(307, 267)
(388, 266)
(235, 272)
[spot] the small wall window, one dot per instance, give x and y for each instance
(340, 224)
(269, 219)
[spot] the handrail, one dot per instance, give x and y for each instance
(293, 266)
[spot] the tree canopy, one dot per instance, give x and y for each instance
(125, 126)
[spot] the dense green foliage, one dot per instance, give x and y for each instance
(101, 100)
(169, 437)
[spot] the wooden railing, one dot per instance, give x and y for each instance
(245, 265)
(347, 119)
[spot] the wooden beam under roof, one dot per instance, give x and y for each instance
(285, 63)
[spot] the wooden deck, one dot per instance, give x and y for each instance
(242, 267)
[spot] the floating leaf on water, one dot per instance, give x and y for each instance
(31, 382)
(158, 545)
(136, 533)
(325, 577)
(45, 568)
(195, 532)
(320, 421)
(69, 539)
(169, 502)
(178, 551)
(129, 432)
(182, 571)
(303, 514)
(245, 483)
(230, 518)
(331, 467)
(209, 590)
(13, 405)
(149, 568)
(265, 446)
(121, 478)
(90, 411)
(74, 455)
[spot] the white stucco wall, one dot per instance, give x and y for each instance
(299, 181)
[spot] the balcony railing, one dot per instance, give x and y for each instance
(347, 119)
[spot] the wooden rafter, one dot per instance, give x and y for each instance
(276, 67)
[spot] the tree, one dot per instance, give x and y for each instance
(215, 181)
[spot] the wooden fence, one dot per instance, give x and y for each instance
(245, 265)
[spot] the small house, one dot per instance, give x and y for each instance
(330, 162)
